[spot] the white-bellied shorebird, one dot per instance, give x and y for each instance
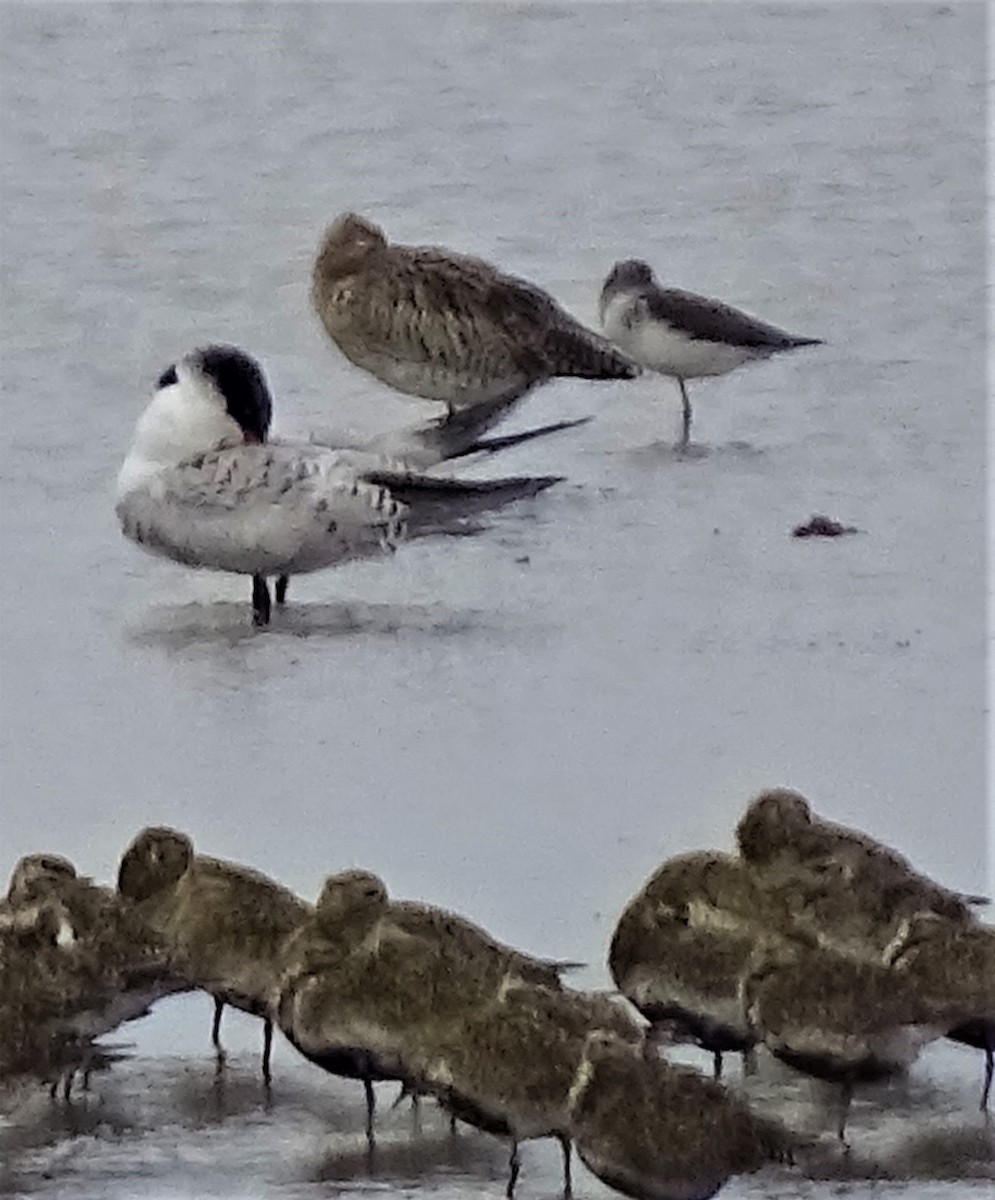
(682, 334)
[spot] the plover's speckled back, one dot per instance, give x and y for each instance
(682, 334)
(839, 1019)
(681, 946)
(508, 1065)
(446, 326)
(948, 960)
(655, 1131)
(370, 986)
(841, 886)
(75, 962)
(226, 924)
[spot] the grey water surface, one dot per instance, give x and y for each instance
(520, 725)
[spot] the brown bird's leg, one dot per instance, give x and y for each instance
(371, 1101)
(260, 600)
(280, 590)
(716, 1064)
(267, 1050)
(568, 1189)
(845, 1098)
(686, 414)
(219, 1008)
(513, 1168)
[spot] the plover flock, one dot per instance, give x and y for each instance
(812, 942)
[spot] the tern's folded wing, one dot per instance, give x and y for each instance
(262, 509)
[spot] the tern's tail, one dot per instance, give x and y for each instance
(441, 506)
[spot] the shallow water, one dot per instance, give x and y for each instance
(523, 724)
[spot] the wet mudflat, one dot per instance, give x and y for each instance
(519, 725)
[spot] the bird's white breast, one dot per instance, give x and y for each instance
(658, 345)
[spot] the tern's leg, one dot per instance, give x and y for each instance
(686, 413)
(280, 591)
(986, 1089)
(260, 600)
(716, 1064)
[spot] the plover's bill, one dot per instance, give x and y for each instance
(201, 486)
(847, 890)
(225, 924)
(444, 326)
(655, 1131)
(507, 1067)
(680, 948)
(840, 1019)
(682, 334)
(953, 961)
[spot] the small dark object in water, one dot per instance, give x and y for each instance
(820, 526)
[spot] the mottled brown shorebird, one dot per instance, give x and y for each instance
(656, 1131)
(840, 886)
(682, 334)
(507, 1067)
(75, 963)
(444, 326)
(680, 948)
(226, 924)
(840, 1019)
(367, 982)
(953, 962)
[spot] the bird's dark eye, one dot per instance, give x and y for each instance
(167, 378)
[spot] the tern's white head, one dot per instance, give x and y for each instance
(213, 396)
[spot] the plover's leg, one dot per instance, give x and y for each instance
(568, 1189)
(260, 600)
(716, 1064)
(686, 414)
(513, 1169)
(219, 1008)
(280, 590)
(267, 1050)
(987, 1087)
(844, 1111)
(371, 1103)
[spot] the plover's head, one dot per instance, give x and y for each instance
(38, 875)
(347, 242)
(155, 860)
(632, 273)
(771, 823)
(351, 896)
